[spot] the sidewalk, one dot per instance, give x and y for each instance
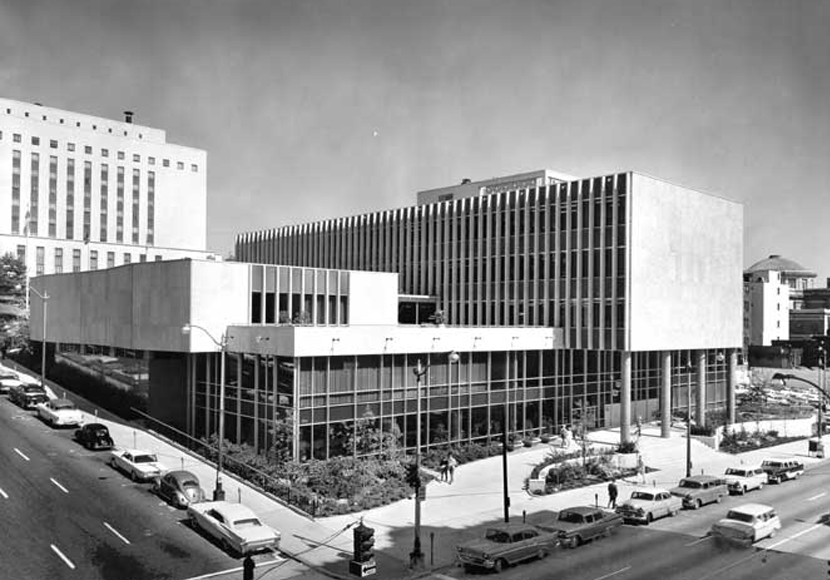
(452, 513)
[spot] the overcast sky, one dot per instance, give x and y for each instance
(315, 109)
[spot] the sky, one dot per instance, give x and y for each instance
(314, 109)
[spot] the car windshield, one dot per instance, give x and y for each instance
(642, 495)
(33, 389)
(733, 471)
(100, 432)
(771, 464)
(190, 483)
(498, 536)
(147, 458)
(570, 517)
(690, 483)
(740, 516)
(247, 523)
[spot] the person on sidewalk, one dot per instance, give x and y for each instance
(612, 494)
(248, 566)
(641, 467)
(443, 469)
(452, 463)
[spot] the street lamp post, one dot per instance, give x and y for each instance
(45, 298)
(416, 557)
(689, 369)
(218, 492)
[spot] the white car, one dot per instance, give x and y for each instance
(60, 413)
(649, 503)
(743, 478)
(8, 379)
(139, 465)
(234, 526)
(748, 523)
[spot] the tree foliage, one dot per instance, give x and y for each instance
(12, 278)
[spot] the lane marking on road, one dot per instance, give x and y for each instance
(794, 536)
(444, 576)
(114, 531)
(815, 497)
(66, 560)
(4, 494)
(60, 487)
(21, 454)
(621, 570)
(272, 563)
(699, 540)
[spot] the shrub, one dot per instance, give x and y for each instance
(703, 430)
(627, 447)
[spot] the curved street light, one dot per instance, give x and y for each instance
(784, 377)
(222, 343)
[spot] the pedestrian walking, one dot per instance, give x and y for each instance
(452, 463)
(641, 468)
(443, 469)
(612, 493)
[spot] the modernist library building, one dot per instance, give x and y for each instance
(563, 301)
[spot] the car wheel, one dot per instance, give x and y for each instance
(649, 518)
(672, 513)
(227, 547)
(760, 486)
(194, 523)
(542, 554)
(499, 565)
(720, 498)
(743, 490)
(698, 504)
(133, 476)
(772, 533)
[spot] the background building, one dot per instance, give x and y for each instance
(766, 308)
(79, 192)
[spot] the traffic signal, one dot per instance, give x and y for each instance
(364, 542)
(413, 477)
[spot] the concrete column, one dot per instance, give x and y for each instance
(700, 411)
(731, 381)
(625, 399)
(665, 399)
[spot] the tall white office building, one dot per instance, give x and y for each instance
(79, 192)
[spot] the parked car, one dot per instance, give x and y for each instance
(94, 436)
(60, 413)
(139, 465)
(649, 503)
(234, 526)
(748, 523)
(698, 490)
(505, 544)
(577, 525)
(782, 470)
(28, 396)
(742, 479)
(8, 379)
(180, 488)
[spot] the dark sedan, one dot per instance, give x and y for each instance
(180, 488)
(94, 436)
(28, 396)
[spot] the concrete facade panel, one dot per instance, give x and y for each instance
(686, 276)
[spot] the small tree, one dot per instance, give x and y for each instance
(282, 431)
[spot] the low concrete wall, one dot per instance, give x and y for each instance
(785, 427)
